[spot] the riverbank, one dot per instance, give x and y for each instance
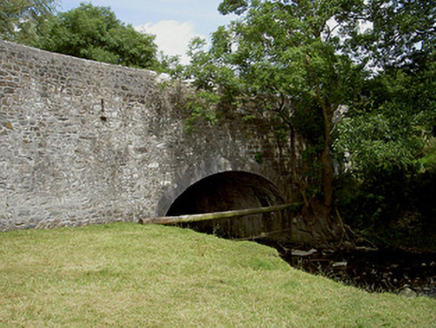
(404, 272)
(131, 275)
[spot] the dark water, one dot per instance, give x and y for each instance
(381, 270)
(384, 270)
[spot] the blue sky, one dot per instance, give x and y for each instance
(174, 22)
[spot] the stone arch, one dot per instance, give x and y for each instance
(233, 190)
(201, 170)
(226, 191)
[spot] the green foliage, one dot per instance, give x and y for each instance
(23, 20)
(391, 124)
(388, 137)
(297, 63)
(95, 33)
(202, 108)
(401, 32)
(428, 161)
(259, 157)
(282, 57)
(388, 133)
(393, 206)
(168, 64)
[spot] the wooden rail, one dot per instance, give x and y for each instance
(216, 215)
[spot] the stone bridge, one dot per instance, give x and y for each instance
(83, 142)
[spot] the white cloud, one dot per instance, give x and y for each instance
(172, 37)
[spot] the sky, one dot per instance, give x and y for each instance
(174, 22)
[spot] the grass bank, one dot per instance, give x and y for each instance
(128, 275)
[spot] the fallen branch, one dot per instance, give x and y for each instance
(216, 215)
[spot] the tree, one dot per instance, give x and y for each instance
(284, 56)
(401, 33)
(390, 132)
(22, 20)
(399, 104)
(95, 33)
(305, 61)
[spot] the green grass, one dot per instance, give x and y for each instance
(128, 275)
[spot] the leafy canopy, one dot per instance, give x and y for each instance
(95, 33)
(389, 132)
(283, 56)
(392, 124)
(399, 32)
(354, 77)
(22, 20)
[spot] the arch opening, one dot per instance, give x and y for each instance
(235, 190)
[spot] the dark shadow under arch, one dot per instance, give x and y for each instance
(234, 190)
(226, 191)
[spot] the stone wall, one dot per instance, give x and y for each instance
(83, 142)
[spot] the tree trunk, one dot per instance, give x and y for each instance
(327, 171)
(295, 178)
(321, 223)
